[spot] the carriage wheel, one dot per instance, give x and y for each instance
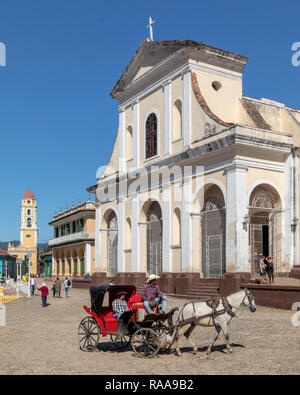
(145, 342)
(162, 330)
(88, 334)
(122, 342)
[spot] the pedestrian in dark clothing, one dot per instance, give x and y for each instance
(270, 269)
(44, 290)
(53, 289)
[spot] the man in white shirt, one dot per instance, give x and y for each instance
(67, 283)
(32, 284)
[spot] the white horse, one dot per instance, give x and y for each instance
(199, 313)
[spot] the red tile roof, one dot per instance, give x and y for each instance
(29, 195)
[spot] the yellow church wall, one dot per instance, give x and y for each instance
(255, 175)
(224, 102)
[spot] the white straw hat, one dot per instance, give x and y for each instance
(152, 277)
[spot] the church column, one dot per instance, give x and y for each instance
(166, 237)
(186, 229)
(186, 113)
(237, 259)
(135, 256)
(122, 142)
(136, 133)
(121, 235)
(98, 238)
(167, 118)
(88, 258)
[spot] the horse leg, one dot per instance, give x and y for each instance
(224, 328)
(177, 349)
(215, 337)
(188, 333)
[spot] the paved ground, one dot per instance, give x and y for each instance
(44, 341)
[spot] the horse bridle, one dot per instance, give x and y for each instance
(249, 295)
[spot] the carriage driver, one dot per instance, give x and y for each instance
(120, 305)
(152, 296)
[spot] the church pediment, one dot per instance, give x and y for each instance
(151, 54)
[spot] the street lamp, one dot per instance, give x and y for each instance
(29, 273)
(19, 262)
(6, 269)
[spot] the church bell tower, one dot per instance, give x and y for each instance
(28, 229)
(28, 233)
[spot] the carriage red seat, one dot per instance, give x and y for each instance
(111, 323)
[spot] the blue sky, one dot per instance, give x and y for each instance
(57, 121)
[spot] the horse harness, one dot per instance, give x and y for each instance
(213, 303)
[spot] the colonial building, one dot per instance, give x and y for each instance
(8, 266)
(28, 232)
(73, 240)
(202, 179)
(45, 263)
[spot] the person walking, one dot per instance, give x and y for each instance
(67, 284)
(58, 287)
(53, 289)
(32, 284)
(45, 291)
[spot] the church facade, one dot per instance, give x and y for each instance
(28, 232)
(201, 179)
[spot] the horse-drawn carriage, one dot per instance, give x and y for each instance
(150, 333)
(145, 332)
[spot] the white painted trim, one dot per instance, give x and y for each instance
(97, 240)
(122, 141)
(187, 236)
(167, 117)
(167, 229)
(135, 234)
(136, 133)
(88, 258)
(186, 108)
(154, 111)
(121, 236)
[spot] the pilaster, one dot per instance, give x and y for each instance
(237, 259)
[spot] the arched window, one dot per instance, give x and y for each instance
(28, 222)
(151, 136)
(176, 228)
(177, 120)
(129, 143)
(28, 212)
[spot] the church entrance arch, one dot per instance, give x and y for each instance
(154, 238)
(265, 235)
(112, 244)
(213, 229)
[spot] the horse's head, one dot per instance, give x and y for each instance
(249, 300)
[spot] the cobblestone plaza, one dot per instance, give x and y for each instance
(44, 341)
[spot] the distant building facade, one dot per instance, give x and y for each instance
(8, 266)
(28, 232)
(73, 241)
(45, 264)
